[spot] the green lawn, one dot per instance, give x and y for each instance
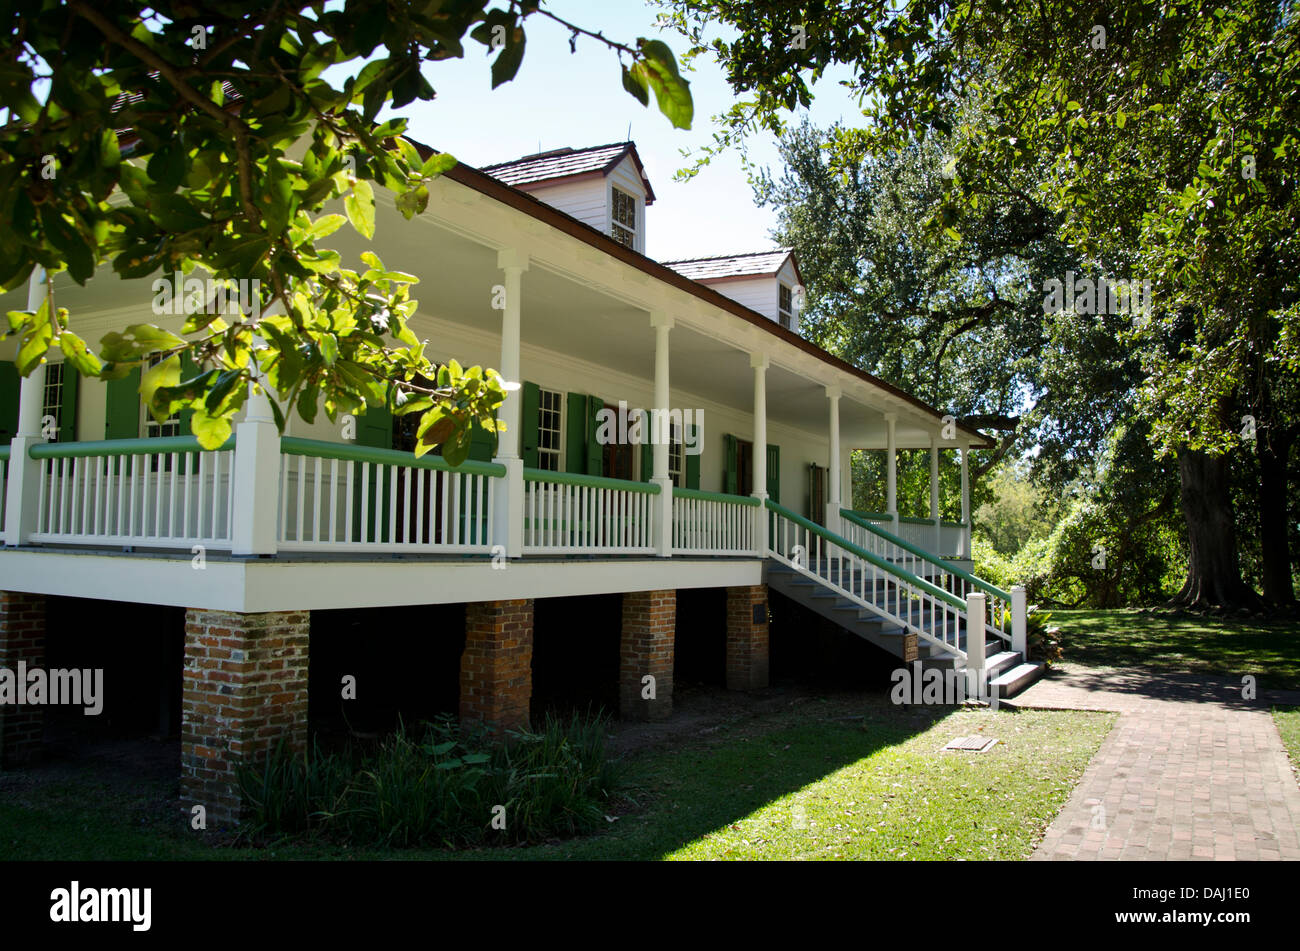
(820, 781)
(1288, 724)
(1228, 646)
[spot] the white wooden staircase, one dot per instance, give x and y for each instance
(901, 598)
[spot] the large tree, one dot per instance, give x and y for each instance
(214, 99)
(1163, 135)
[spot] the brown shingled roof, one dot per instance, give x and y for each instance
(754, 264)
(567, 163)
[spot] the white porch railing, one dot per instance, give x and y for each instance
(341, 497)
(863, 530)
(868, 580)
(163, 493)
(566, 513)
(707, 523)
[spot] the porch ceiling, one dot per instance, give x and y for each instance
(458, 276)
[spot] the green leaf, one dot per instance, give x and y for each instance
(78, 354)
(211, 431)
(635, 84)
(506, 65)
(166, 373)
(360, 206)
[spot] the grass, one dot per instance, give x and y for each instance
(1230, 647)
(821, 780)
(1288, 724)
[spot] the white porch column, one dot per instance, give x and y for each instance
(965, 501)
(22, 488)
(661, 429)
(934, 496)
(759, 362)
(833, 499)
(508, 492)
(257, 479)
(891, 469)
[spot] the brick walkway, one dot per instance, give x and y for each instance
(1190, 771)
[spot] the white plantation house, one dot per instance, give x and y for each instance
(750, 493)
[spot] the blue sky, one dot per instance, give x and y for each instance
(560, 99)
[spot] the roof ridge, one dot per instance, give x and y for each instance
(552, 153)
(719, 257)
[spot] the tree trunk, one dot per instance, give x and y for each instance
(1274, 523)
(1213, 571)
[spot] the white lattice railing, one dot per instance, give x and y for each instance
(706, 523)
(339, 497)
(152, 493)
(568, 513)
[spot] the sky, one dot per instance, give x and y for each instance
(561, 99)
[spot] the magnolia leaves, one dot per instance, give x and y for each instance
(657, 70)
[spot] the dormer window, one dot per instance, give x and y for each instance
(623, 218)
(785, 306)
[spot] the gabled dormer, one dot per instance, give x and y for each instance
(766, 281)
(604, 186)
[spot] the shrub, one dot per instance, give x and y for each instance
(1042, 640)
(438, 788)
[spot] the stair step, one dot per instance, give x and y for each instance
(1018, 678)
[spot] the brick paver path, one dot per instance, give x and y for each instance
(1190, 771)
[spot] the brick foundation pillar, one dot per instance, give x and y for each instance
(245, 689)
(747, 641)
(496, 669)
(649, 631)
(22, 639)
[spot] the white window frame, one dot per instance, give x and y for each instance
(52, 397)
(785, 317)
(561, 413)
(676, 455)
(614, 223)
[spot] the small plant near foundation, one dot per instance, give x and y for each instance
(439, 786)
(1042, 638)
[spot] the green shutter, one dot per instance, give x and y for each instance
(729, 484)
(375, 428)
(774, 473)
(68, 404)
(595, 457)
(528, 424)
(482, 444)
(122, 407)
(10, 384)
(647, 447)
(575, 440)
(188, 369)
(693, 463)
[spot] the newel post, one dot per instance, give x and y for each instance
(257, 480)
(1019, 622)
(22, 485)
(974, 643)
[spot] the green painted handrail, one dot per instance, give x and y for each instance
(593, 482)
(715, 497)
(889, 567)
(878, 516)
(916, 521)
(927, 556)
(946, 524)
(349, 452)
(122, 447)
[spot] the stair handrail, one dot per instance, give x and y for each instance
(1013, 603)
(882, 563)
(921, 553)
